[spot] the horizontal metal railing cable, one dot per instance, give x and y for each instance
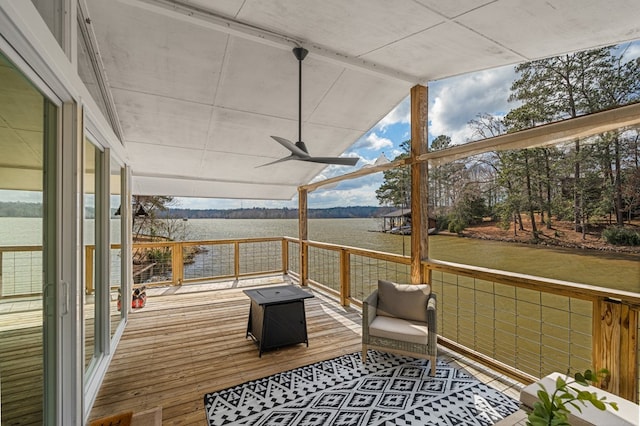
(20, 271)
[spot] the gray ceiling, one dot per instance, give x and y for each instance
(200, 86)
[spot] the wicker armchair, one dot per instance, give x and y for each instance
(401, 318)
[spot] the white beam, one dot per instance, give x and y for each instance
(229, 26)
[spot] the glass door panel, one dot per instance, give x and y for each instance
(116, 307)
(22, 145)
(91, 159)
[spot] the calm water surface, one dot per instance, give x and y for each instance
(620, 271)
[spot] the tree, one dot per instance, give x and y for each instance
(558, 88)
(396, 187)
(576, 84)
(440, 178)
(631, 192)
(150, 218)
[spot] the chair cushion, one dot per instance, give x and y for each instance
(399, 329)
(407, 301)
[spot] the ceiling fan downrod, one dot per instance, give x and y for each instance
(300, 53)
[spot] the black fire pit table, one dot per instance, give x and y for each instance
(276, 316)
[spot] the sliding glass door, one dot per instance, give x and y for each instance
(27, 253)
(117, 307)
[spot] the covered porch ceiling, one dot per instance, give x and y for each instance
(199, 86)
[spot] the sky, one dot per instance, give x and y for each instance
(452, 104)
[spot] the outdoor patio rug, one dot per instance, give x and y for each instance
(389, 389)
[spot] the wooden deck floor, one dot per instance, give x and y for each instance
(185, 344)
(21, 363)
(181, 346)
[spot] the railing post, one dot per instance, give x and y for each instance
(303, 235)
(285, 256)
(426, 273)
(177, 263)
(345, 277)
(615, 346)
(236, 259)
(88, 269)
(304, 262)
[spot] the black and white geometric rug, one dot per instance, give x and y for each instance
(388, 390)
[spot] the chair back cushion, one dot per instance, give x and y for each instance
(407, 301)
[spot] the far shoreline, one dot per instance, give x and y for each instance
(560, 235)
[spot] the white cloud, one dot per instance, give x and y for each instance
(354, 195)
(456, 101)
(206, 203)
(394, 153)
(372, 142)
(400, 114)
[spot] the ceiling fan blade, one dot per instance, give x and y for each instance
(290, 146)
(290, 157)
(340, 161)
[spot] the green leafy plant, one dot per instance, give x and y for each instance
(553, 409)
(621, 236)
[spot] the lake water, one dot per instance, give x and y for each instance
(612, 270)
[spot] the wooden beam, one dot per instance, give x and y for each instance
(419, 183)
(365, 171)
(548, 134)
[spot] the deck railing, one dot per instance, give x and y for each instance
(20, 271)
(183, 262)
(527, 326)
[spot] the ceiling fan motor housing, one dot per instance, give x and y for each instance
(300, 53)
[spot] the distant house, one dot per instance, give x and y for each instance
(399, 222)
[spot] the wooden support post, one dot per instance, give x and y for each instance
(615, 346)
(345, 277)
(88, 269)
(419, 183)
(285, 256)
(303, 235)
(236, 259)
(177, 263)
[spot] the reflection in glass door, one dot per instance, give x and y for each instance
(116, 307)
(91, 160)
(22, 253)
